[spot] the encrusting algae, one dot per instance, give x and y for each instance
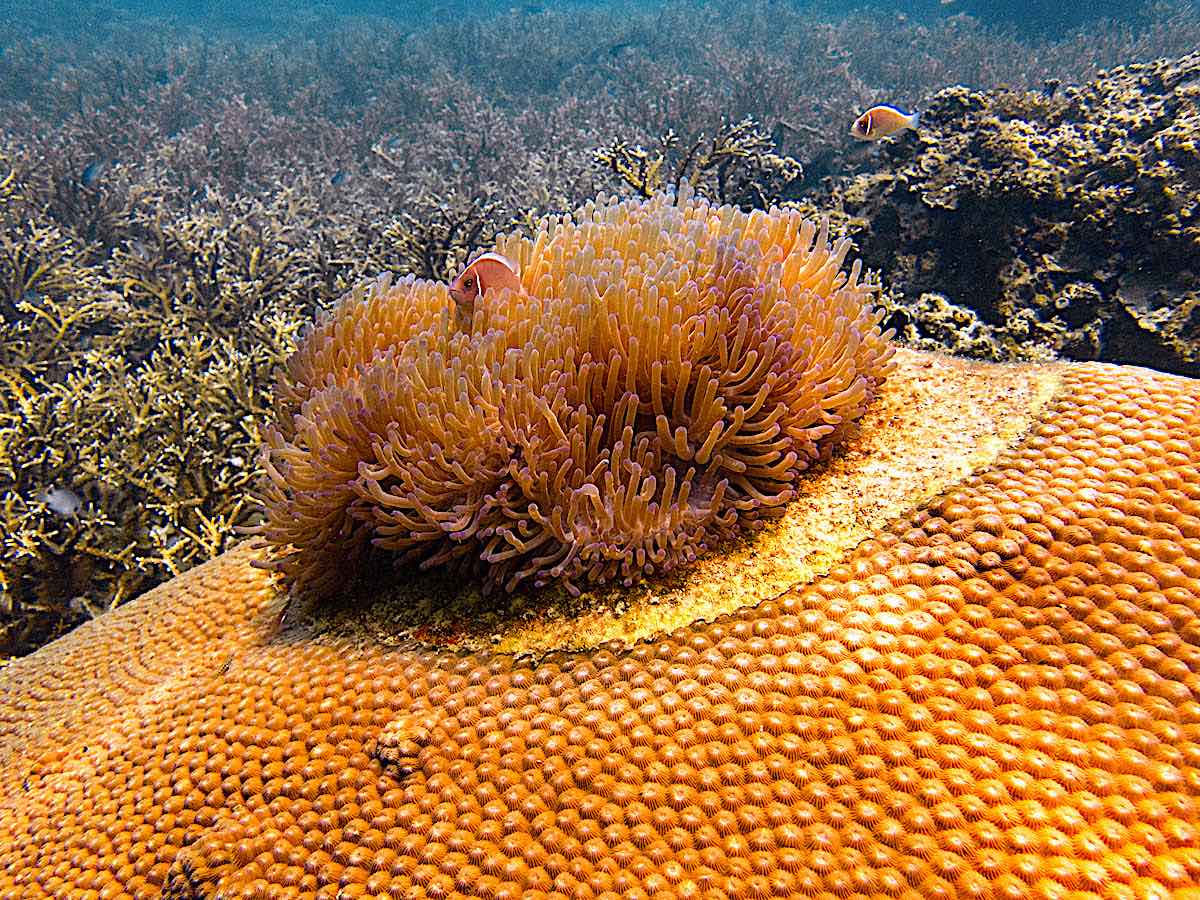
(667, 373)
(991, 695)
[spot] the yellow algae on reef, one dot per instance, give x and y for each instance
(994, 692)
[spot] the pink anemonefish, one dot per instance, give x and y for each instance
(487, 272)
(882, 120)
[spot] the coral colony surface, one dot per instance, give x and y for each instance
(165, 235)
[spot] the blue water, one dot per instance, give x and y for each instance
(93, 20)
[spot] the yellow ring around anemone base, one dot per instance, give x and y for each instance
(936, 420)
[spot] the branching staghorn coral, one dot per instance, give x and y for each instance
(737, 165)
(434, 245)
(110, 387)
(669, 370)
(129, 379)
(160, 455)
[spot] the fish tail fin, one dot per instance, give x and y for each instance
(914, 119)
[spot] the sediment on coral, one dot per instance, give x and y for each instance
(667, 372)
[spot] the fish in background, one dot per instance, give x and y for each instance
(61, 501)
(883, 120)
(93, 172)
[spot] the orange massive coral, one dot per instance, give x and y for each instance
(667, 373)
(994, 696)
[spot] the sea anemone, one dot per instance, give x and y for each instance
(668, 371)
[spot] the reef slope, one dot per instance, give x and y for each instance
(991, 695)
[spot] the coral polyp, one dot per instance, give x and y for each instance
(667, 372)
